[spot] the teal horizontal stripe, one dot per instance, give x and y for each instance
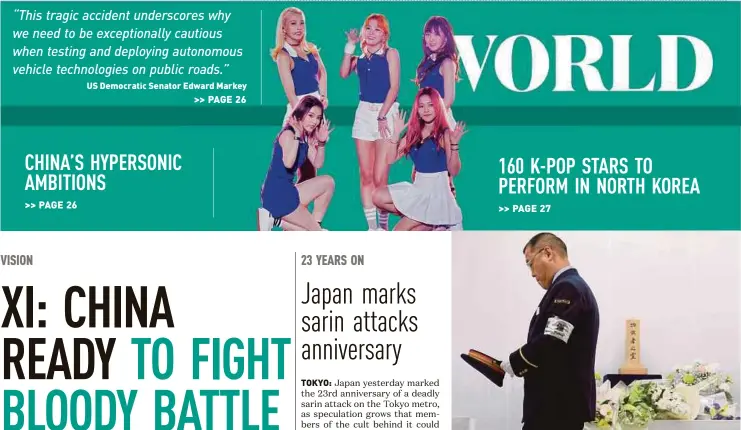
(344, 115)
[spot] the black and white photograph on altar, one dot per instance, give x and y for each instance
(596, 330)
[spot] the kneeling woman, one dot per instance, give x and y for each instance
(285, 204)
(428, 203)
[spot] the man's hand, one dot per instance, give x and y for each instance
(507, 368)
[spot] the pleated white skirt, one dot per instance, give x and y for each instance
(428, 200)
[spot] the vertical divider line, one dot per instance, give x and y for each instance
(295, 340)
(261, 55)
(213, 182)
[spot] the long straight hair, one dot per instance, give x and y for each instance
(307, 170)
(441, 26)
(439, 126)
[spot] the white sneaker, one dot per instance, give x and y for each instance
(264, 220)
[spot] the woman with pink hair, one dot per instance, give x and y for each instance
(428, 203)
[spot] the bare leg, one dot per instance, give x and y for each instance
(381, 177)
(319, 190)
(382, 199)
(287, 226)
(406, 224)
(366, 162)
(423, 227)
(381, 168)
(301, 219)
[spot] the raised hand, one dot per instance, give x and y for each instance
(323, 132)
(400, 123)
(455, 135)
(352, 36)
(297, 127)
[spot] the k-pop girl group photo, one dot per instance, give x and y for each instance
(382, 133)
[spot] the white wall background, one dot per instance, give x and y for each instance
(683, 287)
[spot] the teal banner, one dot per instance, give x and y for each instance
(580, 115)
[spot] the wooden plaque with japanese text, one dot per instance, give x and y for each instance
(633, 365)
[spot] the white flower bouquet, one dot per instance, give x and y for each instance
(650, 400)
(705, 376)
(672, 405)
(636, 405)
(608, 398)
(713, 386)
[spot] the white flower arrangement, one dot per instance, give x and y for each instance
(670, 405)
(607, 402)
(649, 400)
(636, 407)
(695, 391)
(705, 376)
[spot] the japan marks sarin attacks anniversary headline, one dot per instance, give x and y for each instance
(369, 321)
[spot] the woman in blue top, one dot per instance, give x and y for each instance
(428, 203)
(439, 66)
(377, 68)
(300, 68)
(285, 203)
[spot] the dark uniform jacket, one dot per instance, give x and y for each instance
(557, 362)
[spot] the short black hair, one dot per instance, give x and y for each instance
(549, 239)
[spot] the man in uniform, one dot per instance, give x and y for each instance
(557, 362)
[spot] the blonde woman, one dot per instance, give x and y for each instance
(377, 68)
(300, 68)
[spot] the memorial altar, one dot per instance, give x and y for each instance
(695, 396)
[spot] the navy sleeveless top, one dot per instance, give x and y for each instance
(375, 80)
(428, 157)
(278, 172)
(430, 76)
(305, 73)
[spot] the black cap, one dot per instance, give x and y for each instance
(487, 366)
